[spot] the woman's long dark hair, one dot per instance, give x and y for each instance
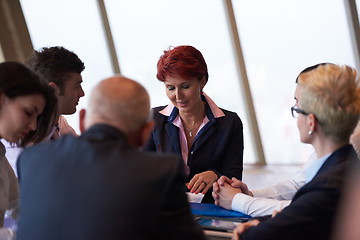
(17, 80)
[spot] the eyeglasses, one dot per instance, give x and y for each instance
(295, 111)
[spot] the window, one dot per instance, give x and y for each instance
(279, 39)
(141, 36)
(77, 28)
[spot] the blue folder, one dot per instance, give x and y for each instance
(212, 210)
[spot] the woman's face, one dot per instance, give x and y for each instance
(18, 116)
(184, 94)
(302, 119)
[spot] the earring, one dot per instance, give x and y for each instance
(310, 133)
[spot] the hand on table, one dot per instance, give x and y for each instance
(202, 182)
(236, 183)
(216, 187)
(240, 228)
(225, 189)
(224, 193)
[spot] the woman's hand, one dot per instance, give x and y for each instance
(202, 182)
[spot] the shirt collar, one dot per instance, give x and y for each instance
(311, 169)
(172, 112)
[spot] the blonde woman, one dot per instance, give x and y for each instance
(327, 109)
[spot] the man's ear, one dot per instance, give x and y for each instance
(56, 87)
(145, 132)
(82, 114)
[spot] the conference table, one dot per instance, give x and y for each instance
(216, 235)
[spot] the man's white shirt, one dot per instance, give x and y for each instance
(275, 197)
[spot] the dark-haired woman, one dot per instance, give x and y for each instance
(209, 139)
(27, 107)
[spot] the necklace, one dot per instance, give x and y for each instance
(193, 130)
(190, 130)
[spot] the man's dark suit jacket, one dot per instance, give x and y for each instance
(99, 187)
(218, 147)
(312, 212)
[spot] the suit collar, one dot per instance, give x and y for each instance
(101, 131)
(334, 167)
(311, 169)
(342, 154)
(173, 133)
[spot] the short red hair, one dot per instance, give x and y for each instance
(184, 61)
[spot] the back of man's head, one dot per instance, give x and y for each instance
(122, 103)
(54, 63)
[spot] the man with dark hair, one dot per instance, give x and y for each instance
(62, 69)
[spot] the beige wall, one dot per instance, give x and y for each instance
(15, 42)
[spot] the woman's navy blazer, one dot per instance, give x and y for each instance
(217, 147)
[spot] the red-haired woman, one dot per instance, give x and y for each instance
(209, 139)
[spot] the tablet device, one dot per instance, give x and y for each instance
(218, 224)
